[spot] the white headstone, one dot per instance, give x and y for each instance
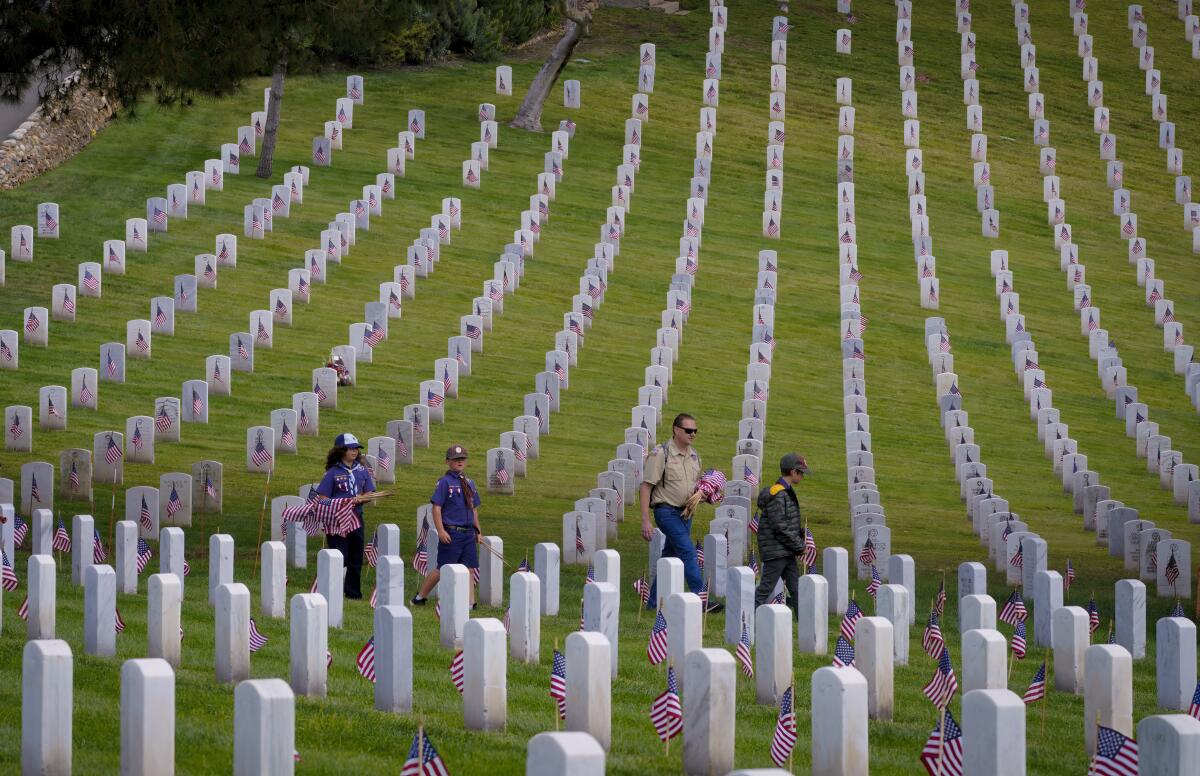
(47, 675)
(993, 727)
(232, 632)
(163, 606)
(812, 633)
(589, 686)
(839, 732)
(709, 711)
(1108, 692)
(393, 659)
(1175, 662)
(264, 728)
(147, 717)
(99, 611)
(454, 598)
(1069, 634)
(330, 576)
(309, 642)
(485, 683)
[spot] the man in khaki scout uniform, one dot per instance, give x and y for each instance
(669, 479)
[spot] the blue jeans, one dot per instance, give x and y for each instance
(678, 532)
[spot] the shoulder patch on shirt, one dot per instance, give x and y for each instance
(776, 489)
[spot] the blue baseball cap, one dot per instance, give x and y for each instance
(346, 440)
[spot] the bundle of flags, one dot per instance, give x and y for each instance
(332, 516)
(711, 486)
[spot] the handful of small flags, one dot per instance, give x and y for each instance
(710, 488)
(333, 516)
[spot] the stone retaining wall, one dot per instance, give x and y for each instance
(43, 142)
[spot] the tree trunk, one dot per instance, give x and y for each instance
(267, 156)
(529, 116)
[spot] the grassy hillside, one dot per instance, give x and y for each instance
(137, 157)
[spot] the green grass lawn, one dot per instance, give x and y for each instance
(137, 157)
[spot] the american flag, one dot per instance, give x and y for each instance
(656, 648)
(302, 288)
(374, 335)
(62, 540)
(866, 555)
(743, 652)
(1194, 710)
(112, 453)
(1037, 688)
(366, 660)
(144, 516)
(423, 759)
(14, 428)
(216, 177)
(68, 304)
(1171, 570)
(174, 503)
(850, 619)
(32, 323)
(197, 404)
(260, 457)
(257, 639)
(1018, 641)
(51, 224)
(931, 639)
(700, 554)
(809, 555)
(160, 217)
(85, 393)
(9, 579)
(286, 437)
(784, 739)
(944, 684)
(558, 683)
(73, 478)
(640, 586)
(858, 353)
(1116, 755)
(433, 398)
(843, 653)
(666, 712)
(319, 154)
(944, 757)
(1093, 616)
(875, 583)
(20, 530)
(141, 344)
(457, 671)
(144, 555)
(160, 317)
(473, 331)
(1013, 610)
(263, 335)
(99, 554)
(244, 147)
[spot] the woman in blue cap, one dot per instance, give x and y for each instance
(347, 477)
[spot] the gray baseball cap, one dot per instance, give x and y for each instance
(793, 461)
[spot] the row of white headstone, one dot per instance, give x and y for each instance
(593, 521)
(1090, 497)
(158, 212)
(1173, 339)
(510, 459)
(868, 522)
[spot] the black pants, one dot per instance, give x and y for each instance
(351, 548)
(789, 569)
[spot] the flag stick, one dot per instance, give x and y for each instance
(1045, 698)
(112, 514)
(262, 512)
(792, 687)
(667, 743)
(556, 720)
(203, 502)
(499, 557)
(941, 738)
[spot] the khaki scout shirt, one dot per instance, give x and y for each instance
(678, 482)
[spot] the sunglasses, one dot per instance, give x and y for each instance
(688, 430)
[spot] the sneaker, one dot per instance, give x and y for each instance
(473, 606)
(418, 600)
(714, 607)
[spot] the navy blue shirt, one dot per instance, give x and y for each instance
(343, 482)
(449, 495)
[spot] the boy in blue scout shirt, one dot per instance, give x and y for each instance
(347, 477)
(456, 504)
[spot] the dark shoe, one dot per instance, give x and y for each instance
(714, 607)
(473, 606)
(354, 596)
(418, 601)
